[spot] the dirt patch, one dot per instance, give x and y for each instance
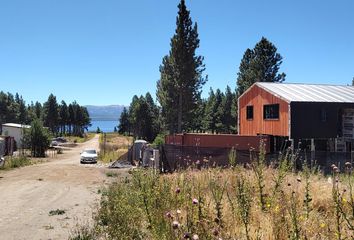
(29, 193)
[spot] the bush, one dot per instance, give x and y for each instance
(159, 140)
(15, 162)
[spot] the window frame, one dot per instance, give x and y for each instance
(273, 114)
(248, 117)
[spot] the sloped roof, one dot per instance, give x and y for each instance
(296, 92)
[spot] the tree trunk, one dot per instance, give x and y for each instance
(179, 122)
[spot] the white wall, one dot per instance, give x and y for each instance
(13, 132)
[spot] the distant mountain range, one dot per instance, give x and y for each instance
(105, 113)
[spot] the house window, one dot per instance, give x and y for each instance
(249, 112)
(323, 115)
(271, 111)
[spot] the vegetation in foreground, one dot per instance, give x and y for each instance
(15, 162)
(253, 202)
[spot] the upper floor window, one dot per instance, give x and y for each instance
(271, 111)
(249, 115)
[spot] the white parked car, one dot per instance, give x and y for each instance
(88, 156)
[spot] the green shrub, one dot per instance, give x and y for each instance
(15, 162)
(159, 140)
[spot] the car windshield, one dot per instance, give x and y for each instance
(90, 151)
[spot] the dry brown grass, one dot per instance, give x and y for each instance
(116, 146)
(284, 217)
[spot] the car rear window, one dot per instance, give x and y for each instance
(90, 151)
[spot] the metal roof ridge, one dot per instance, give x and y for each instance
(308, 84)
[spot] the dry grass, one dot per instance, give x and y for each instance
(87, 137)
(115, 147)
(256, 202)
(223, 203)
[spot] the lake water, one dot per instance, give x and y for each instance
(104, 125)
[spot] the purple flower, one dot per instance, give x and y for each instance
(175, 224)
(195, 201)
(169, 215)
(178, 190)
(187, 235)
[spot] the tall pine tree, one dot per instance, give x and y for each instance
(51, 113)
(124, 124)
(64, 116)
(179, 87)
(260, 64)
(228, 120)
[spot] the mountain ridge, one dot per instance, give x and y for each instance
(105, 113)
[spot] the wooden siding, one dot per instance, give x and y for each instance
(258, 97)
(242, 143)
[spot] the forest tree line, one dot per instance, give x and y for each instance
(60, 118)
(215, 114)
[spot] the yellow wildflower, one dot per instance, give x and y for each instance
(276, 209)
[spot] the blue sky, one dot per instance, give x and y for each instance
(103, 52)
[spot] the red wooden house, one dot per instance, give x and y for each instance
(319, 115)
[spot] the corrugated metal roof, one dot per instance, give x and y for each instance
(296, 92)
(15, 125)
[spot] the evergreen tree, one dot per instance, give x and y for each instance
(3, 108)
(197, 125)
(71, 119)
(353, 82)
(179, 87)
(51, 114)
(64, 116)
(31, 112)
(208, 122)
(133, 118)
(259, 65)
(228, 120)
(218, 112)
(154, 113)
(124, 124)
(246, 75)
(12, 109)
(22, 110)
(37, 139)
(38, 110)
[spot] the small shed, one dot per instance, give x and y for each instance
(14, 130)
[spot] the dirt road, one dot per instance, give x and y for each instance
(29, 193)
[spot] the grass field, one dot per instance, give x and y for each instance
(256, 202)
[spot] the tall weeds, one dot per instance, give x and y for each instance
(225, 204)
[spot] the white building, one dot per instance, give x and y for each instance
(14, 130)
